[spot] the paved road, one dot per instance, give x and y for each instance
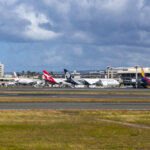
(76, 105)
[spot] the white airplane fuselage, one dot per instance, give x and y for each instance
(102, 81)
(109, 82)
(27, 81)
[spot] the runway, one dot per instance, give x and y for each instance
(67, 93)
(75, 105)
(75, 95)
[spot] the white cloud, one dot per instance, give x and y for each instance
(101, 32)
(61, 6)
(78, 51)
(8, 2)
(54, 57)
(144, 37)
(140, 4)
(114, 5)
(33, 29)
(82, 37)
(37, 33)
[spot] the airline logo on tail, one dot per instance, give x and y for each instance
(67, 74)
(48, 77)
(145, 79)
(143, 75)
(16, 77)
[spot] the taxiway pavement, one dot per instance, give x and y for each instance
(75, 105)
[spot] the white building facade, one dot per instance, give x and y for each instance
(1, 70)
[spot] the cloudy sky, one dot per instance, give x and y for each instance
(74, 34)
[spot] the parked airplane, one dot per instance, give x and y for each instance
(88, 81)
(145, 80)
(11, 84)
(54, 80)
(80, 81)
(110, 82)
(26, 81)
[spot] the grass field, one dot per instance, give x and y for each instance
(61, 99)
(74, 130)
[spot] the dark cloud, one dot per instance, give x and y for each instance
(77, 34)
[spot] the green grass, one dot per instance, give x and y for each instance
(137, 117)
(73, 130)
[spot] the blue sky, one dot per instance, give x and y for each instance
(74, 34)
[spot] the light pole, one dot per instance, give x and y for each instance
(136, 67)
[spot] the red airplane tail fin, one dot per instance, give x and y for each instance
(48, 77)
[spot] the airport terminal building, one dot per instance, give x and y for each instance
(125, 75)
(110, 73)
(127, 72)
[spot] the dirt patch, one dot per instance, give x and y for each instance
(125, 124)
